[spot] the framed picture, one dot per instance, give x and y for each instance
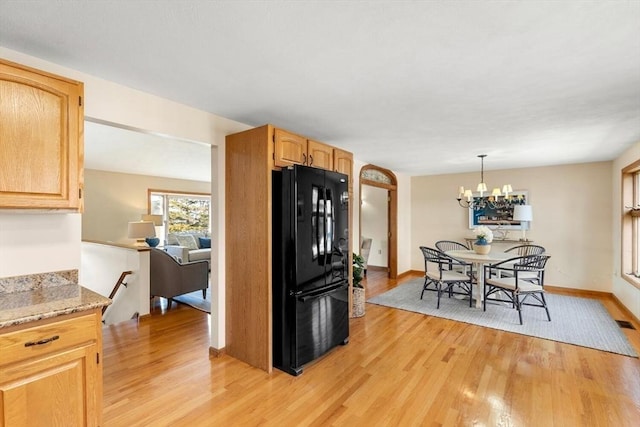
(497, 213)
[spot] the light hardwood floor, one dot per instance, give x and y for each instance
(399, 369)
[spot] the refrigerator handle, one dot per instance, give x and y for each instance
(328, 248)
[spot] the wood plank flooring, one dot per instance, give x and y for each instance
(399, 369)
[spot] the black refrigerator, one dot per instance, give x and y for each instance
(310, 265)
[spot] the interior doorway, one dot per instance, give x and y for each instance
(374, 225)
(379, 202)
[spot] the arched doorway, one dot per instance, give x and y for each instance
(381, 178)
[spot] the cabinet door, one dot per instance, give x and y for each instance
(41, 145)
(290, 149)
(320, 155)
(56, 390)
(343, 162)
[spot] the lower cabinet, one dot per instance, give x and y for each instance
(51, 373)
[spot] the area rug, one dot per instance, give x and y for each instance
(195, 300)
(580, 321)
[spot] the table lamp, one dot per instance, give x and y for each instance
(524, 214)
(140, 230)
(155, 219)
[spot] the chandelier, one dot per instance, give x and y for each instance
(466, 199)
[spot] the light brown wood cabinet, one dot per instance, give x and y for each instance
(51, 372)
(41, 139)
(343, 163)
(292, 149)
(251, 157)
(320, 155)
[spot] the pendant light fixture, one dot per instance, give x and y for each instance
(467, 200)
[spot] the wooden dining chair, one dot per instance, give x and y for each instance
(437, 272)
(451, 245)
(525, 279)
(522, 250)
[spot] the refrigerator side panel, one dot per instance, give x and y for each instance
(277, 269)
(282, 270)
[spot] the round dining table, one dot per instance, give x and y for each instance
(478, 265)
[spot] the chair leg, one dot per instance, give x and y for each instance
(439, 292)
(204, 293)
(169, 301)
(516, 299)
(544, 302)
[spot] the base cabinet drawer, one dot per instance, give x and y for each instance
(39, 340)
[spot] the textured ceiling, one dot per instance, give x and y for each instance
(115, 149)
(417, 87)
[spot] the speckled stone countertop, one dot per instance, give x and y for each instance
(40, 296)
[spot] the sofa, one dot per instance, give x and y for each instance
(189, 247)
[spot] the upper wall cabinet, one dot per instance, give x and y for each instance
(41, 139)
(343, 162)
(291, 149)
(319, 155)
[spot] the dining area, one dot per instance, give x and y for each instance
(479, 274)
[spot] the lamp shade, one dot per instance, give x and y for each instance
(522, 213)
(141, 229)
(155, 219)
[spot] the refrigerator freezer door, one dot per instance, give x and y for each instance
(322, 322)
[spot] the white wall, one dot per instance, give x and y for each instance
(57, 247)
(375, 223)
(217, 245)
(100, 270)
(627, 293)
(112, 199)
(38, 243)
(572, 217)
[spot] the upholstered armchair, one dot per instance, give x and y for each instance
(169, 278)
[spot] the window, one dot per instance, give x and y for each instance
(631, 223)
(181, 212)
